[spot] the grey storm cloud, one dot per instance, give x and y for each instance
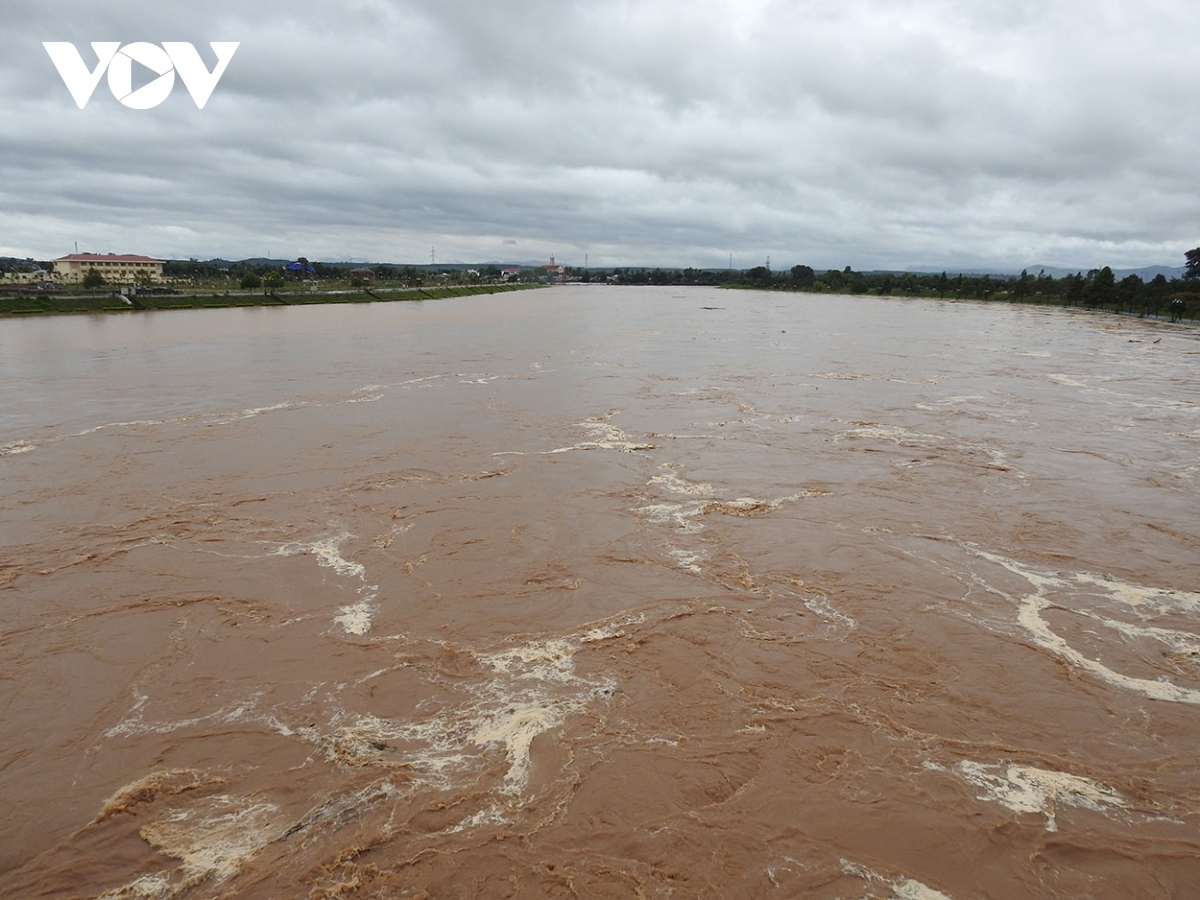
(927, 133)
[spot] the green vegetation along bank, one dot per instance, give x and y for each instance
(35, 302)
(1175, 299)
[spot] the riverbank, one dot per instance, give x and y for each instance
(1173, 301)
(1178, 318)
(51, 303)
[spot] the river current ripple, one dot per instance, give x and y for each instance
(601, 592)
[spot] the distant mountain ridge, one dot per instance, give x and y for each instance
(1146, 273)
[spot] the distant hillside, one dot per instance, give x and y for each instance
(1146, 273)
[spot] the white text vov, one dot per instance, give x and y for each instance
(171, 57)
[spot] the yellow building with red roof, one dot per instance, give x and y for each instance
(116, 269)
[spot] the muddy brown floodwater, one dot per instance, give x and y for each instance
(601, 592)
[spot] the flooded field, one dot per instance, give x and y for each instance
(601, 592)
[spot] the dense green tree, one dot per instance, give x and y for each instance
(803, 276)
(1128, 291)
(1102, 287)
(92, 279)
(1024, 286)
(251, 281)
(1073, 290)
(1156, 293)
(1193, 263)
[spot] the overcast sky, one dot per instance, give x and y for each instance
(925, 134)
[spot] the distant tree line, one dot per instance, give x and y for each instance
(1177, 298)
(251, 273)
(216, 269)
(640, 275)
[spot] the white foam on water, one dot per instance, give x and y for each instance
(676, 485)
(525, 691)
(1137, 598)
(363, 679)
(1157, 600)
(962, 398)
(612, 629)
(1030, 617)
(209, 418)
(136, 422)
(902, 888)
(1026, 789)
(747, 505)
(215, 839)
(908, 889)
(1066, 380)
(606, 437)
(478, 379)
(135, 722)
(148, 887)
(678, 514)
(397, 529)
(550, 660)
(338, 809)
(534, 701)
(327, 553)
(357, 618)
(821, 606)
(894, 433)
(515, 728)
(999, 459)
(687, 560)
(1178, 641)
(420, 381)
(367, 740)
(354, 618)
(260, 410)
(250, 413)
(16, 448)
(493, 815)
(683, 515)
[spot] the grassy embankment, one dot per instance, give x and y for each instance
(52, 302)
